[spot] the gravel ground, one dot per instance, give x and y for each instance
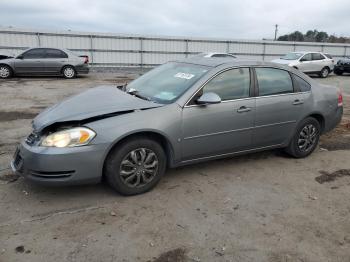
(259, 207)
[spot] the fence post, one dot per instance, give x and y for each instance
(344, 50)
(264, 51)
(228, 47)
(141, 52)
(91, 50)
(38, 37)
(186, 48)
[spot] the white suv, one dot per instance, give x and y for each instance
(308, 62)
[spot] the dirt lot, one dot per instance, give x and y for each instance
(259, 207)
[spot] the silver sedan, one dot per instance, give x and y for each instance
(180, 113)
(44, 61)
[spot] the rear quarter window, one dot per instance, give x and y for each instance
(302, 84)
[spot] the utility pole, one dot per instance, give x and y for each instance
(276, 30)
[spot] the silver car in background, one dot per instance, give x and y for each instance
(44, 61)
(179, 113)
(308, 62)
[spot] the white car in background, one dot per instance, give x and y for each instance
(214, 54)
(308, 62)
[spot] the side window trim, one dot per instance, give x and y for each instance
(190, 102)
(256, 89)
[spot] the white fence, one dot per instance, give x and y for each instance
(144, 51)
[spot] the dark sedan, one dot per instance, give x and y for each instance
(342, 66)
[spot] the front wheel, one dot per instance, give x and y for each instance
(5, 71)
(69, 72)
(305, 138)
(324, 72)
(135, 166)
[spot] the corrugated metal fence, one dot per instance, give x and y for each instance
(144, 51)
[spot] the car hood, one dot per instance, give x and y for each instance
(344, 61)
(96, 102)
(283, 61)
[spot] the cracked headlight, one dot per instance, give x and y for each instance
(78, 136)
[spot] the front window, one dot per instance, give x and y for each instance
(167, 82)
(292, 56)
(231, 84)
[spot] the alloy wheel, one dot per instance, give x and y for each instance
(307, 138)
(139, 167)
(324, 72)
(69, 72)
(4, 72)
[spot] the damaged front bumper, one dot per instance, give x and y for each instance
(60, 166)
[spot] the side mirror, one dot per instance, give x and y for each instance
(208, 98)
(19, 57)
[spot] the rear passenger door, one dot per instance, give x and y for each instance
(278, 107)
(318, 62)
(54, 60)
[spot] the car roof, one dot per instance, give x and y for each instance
(218, 61)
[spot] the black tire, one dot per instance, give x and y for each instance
(5, 71)
(324, 72)
(123, 154)
(338, 72)
(69, 72)
(294, 148)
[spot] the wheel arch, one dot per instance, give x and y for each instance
(66, 66)
(11, 68)
(320, 118)
(152, 134)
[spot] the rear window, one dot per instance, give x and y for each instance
(273, 81)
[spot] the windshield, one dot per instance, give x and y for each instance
(167, 82)
(292, 56)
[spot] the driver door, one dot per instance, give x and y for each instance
(31, 62)
(226, 127)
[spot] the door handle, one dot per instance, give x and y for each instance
(298, 102)
(243, 109)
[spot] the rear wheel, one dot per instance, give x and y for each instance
(305, 138)
(5, 71)
(135, 166)
(69, 72)
(324, 72)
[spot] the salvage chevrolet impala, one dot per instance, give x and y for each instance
(179, 113)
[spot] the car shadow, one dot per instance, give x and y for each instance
(105, 191)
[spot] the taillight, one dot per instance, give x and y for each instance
(340, 99)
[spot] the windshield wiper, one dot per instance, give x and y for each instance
(134, 92)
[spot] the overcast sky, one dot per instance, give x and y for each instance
(246, 19)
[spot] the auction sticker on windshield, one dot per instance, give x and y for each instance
(184, 75)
